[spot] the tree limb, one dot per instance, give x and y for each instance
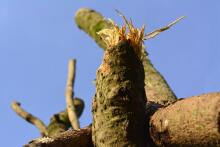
(70, 138)
(60, 122)
(71, 110)
(16, 106)
(193, 121)
(188, 122)
(158, 31)
(92, 22)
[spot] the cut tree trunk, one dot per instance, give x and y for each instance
(119, 104)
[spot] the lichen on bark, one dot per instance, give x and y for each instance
(92, 22)
(119, 102)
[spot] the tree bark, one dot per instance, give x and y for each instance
(70, 138)
(188, 122)
(119, 104)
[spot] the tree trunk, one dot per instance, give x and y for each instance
(119, 104)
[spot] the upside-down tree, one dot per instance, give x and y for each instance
(133, 104)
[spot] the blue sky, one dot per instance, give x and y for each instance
(38, 37)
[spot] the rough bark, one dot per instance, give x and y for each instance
(119, 104)
(193, 121)
(188, 122)
(156, 87)
(70, 138)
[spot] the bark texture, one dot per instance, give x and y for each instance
(156, 87)
(188, 122)
(70, 138)
(119, 104)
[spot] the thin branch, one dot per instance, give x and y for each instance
(71, 110)
(158, 31)
(16, 106)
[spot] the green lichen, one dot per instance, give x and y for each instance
(119, 103)
(91, 22)
(58, 123)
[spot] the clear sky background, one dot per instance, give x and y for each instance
(38, 37)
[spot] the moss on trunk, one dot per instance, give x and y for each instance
(119, 104)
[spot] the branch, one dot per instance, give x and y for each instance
(16, 106)
(70, 138)
(158, 31)
(92, 22)
(60, 122)
(193, 121)
(156, 87)
(71, 110)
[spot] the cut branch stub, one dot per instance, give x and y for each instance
(156, 87)
(119, 104)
